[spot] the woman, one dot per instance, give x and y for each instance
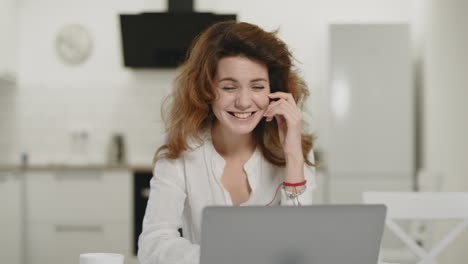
(234, 138)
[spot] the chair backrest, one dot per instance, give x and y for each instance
(421, 205)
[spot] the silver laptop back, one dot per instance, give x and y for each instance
(318, 234)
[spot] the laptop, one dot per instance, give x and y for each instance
(317, 234)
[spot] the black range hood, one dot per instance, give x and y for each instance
(161, 39)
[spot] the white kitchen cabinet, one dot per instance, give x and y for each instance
(74, 211)
(11, 218)
(56, 244)
(68, 195)
(9, 40)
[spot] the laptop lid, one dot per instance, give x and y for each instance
(318, 234)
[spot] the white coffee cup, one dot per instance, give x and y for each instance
(101, 258)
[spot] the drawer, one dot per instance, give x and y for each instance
(11, 219)
(79, 195)
(11, 240)
(58, 243)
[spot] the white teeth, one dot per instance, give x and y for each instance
(242, 115)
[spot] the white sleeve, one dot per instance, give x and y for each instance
(160, 242)
(306, 198)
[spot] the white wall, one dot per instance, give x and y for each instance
(446, 92)
(445, 108)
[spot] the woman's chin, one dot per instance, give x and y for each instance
(243, 129)
(236, 129)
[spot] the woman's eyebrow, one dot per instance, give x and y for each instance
(228, 79)
(234, 80)
(259, 80)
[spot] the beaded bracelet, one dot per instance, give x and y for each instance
(294, 194)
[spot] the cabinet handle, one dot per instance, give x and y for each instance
(79, 228)
(78, 175)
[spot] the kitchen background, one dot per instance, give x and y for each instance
(60, 117)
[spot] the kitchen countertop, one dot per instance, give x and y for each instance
(17, 167)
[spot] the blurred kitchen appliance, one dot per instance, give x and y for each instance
(117, 154)
(372, 111)
(161, 40)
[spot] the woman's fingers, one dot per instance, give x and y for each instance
(281, 95)
(281, 107)
(271, 106)
(284, 109)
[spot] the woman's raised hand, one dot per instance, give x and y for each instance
(289, 118)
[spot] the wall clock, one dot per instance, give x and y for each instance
(74, 44)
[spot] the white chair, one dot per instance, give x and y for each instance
(422, 206)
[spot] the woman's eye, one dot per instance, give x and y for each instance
(259, 87)
(228, 88)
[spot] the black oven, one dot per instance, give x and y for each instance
(141, 187)
(141, 181)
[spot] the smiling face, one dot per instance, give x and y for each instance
(242, 88)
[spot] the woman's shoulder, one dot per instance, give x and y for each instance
(194, 144)
(187, 159)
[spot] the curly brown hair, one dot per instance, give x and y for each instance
(189, 104)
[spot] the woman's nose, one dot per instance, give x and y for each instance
(244, 99)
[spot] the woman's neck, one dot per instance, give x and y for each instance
(230, 145)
